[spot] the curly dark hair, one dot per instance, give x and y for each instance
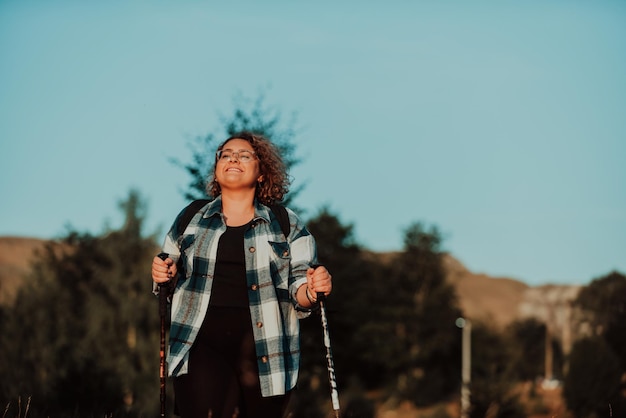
(275, 184)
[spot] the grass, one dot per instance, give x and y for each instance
(19, 408)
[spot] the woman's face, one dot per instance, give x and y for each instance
(237, 166)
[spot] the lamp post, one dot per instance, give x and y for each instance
(466, 365)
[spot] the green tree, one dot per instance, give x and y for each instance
(603, 303)
(249, 115)
(82, 336)
(527, 342)
(597, 365)
(493, 377)
(591, 388)
(350, 306)
(338, 251)
(417, 335)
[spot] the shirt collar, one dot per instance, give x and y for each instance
(214, 208)
(260, 210)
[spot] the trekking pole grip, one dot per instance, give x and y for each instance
(320, 297)
(163, 290)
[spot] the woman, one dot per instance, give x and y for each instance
(241, 287)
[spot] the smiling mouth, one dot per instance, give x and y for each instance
(234, 169)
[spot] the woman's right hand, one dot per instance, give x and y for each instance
(163, 270)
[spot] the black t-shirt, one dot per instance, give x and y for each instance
(229, 282)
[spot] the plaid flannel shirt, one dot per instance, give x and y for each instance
(275, 268)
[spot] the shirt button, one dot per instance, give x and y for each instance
(254, 287)
(252, 249)
(259, 324)
(264, 359)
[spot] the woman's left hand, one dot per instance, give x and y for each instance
(319, 280)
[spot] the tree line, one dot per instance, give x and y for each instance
(81, 338)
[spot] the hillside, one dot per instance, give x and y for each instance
(16, 255)
(495, 300)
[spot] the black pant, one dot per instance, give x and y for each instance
(223, 378)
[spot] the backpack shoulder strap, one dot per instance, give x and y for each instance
(189, 213)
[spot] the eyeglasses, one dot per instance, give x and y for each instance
(242, 155)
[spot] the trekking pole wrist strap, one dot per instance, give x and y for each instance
(308, 296)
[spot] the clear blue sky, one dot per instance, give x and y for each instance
(503, 123)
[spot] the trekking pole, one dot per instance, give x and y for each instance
(334, 395)
(163, 291)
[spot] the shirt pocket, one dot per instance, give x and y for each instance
(280, 264)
